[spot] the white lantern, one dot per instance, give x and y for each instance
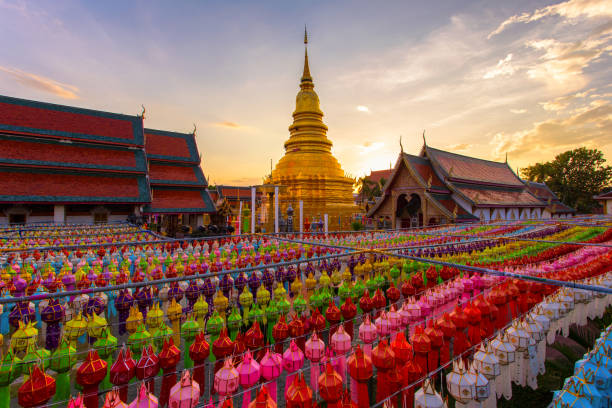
(486, 362)
(505, 353)
(481, 384)
(518, 336)
(460, 385)
(427, 397)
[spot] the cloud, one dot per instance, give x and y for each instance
(590, 125)
(41, 83)
(518, 111)
(460, 147)
(228, 125)
(569, 10)
(562, 102)
(369, 147)
(362, 108)
(503, 68)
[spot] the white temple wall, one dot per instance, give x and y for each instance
(79, 219)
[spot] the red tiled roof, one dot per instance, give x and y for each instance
(491, 196)
(51, 187)
(422, 166)
(166, 145)
(33, 118)
(604, 196)
(459, 167)
(540, 190)
(234, 192)
(37, 151)
(181, 200)
(173, 173)
(377, 175)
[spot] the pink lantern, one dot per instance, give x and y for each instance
(113, 400)
(144, 399)
(249, 372)
(315, 350)
(367, 334)
(226, 379)
(293, 360)
(271, 365)
(185, 393)
(383, 326)
(395, 319)
(76, 402)
(341, 343)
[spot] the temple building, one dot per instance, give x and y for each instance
(308, 172)
(179, 191)
(438, 187)
(72, 165)
(554, 207)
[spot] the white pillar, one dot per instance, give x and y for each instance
(252, 210)
(59, 214)
(276, 209)
(240, 218)
(325, 222)
(301, 217)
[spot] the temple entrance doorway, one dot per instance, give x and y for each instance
(409, 212)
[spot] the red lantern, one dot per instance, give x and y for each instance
(421, 346)
(122, 371)
(330, 386)
(401, 348)
(222, 348)
(199, 352)
(280, 332)
(448, 330)
(37, 390)
(365, 303)
(333, 316)
(318, 321)
(383, 359)
(361, 370)
(147, 368)
(299, 395)
(410, 372)
(474, 317)
(168, 360)
(379, 301)
(89, 375)
(349, 311)
(393, 294)
(436, 338)
(254, 337)
(486, 324)
(296, 330)
(460, 342)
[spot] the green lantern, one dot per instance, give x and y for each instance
(263, 295)
(344, 291)
(299, 304)
(200, 310)
(161, 334)
(62, 360)
(10, 369)
(189, 329)
(38, 356)
(246, 300)
(138, 339)
(234, 321)
(106, 345)
(372, 285)
(271, 317)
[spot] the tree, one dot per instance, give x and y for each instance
(368, 189)
(575, 176)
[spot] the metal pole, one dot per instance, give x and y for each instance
(301, 218)
(253, 193)
(240, 218)
(276, 230)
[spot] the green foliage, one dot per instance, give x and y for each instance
(368, 189)
(575, 176)
(356, 226)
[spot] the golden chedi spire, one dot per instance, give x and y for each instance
(308, 169)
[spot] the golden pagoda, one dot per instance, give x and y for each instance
(308, 171)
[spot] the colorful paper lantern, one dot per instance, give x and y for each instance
(185, 393)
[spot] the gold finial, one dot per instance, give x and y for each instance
(194, 129)
(306, 74)
(144, 110)
(506, 157)
(424, 141)
(401, 146)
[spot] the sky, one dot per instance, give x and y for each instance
(529, 79)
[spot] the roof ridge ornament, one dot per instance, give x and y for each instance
(195, 128)
(401, 146)
(144, 110)
(424, 141)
